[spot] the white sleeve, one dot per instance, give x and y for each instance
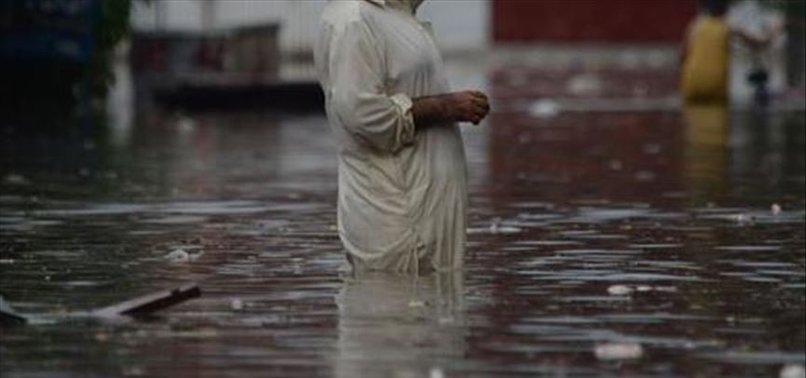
(358, 95)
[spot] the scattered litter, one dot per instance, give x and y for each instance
(236, 304)
(742, 218)
(584, 84)
(793, 371)
(643, 288)
(619, 290)
(178, 255)
(497, 228)
(665, 289)
(446, 320)
(416, 303)
(185, 124)
(181, 255)
(15, 179)
(776, 209)
(131, 371)
(436, 372)
(618, 351)
(544, 109)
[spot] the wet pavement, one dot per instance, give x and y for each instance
(638, 242)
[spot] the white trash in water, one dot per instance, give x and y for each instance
(15, 179)
(544, 109)
(236, 304)
(618, 351)
(793, 371)
(178, 255)
(619, 290)
(436, 373)
(415, 303)
(181, 255)
(775, 208)
(742, 218)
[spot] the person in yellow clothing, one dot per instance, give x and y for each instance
(706, 54)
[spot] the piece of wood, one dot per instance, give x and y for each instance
(150, 303)
(9, 316)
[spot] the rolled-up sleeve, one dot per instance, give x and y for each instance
(358, 95)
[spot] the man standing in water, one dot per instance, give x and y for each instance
(402, 173)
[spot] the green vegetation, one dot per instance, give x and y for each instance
(40, 89)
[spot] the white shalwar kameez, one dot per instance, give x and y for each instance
(402, 189)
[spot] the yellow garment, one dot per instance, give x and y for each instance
(705, 71)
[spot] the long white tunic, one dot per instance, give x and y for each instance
(402, 189)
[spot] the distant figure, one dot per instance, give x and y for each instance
(706, 54)
(402, 174)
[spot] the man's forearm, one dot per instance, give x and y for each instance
(430, 110)
(464, 106)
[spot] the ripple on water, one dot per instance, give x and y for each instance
(653, 246)
(749, 248)
(754, 358)
(546, 243)
(93, 209)
(212, 207)
(607, 252)
(604, 215)
(611, 277)
(174, 219)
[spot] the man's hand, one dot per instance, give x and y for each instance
(465, 106)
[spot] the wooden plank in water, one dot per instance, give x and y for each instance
(9, 316)
(150, 303)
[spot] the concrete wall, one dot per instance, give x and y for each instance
(459, 24)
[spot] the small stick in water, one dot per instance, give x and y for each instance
(150, 303)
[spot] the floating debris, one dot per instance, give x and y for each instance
(8, 315)
(618, 351)
(236, 304)
(619, 290)
(775, 209)
(150, 303)
(742, 218)
(181, 255)
(793, 371)
(497, 228)
(15, 179)
(436, 372)
(544, 109)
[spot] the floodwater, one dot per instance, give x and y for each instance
(634, 243)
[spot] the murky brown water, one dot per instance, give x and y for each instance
(591, 234)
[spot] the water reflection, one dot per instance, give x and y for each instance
(706, 153)
(391, 326)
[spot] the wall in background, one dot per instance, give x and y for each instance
(458, 24)
(620, 21)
